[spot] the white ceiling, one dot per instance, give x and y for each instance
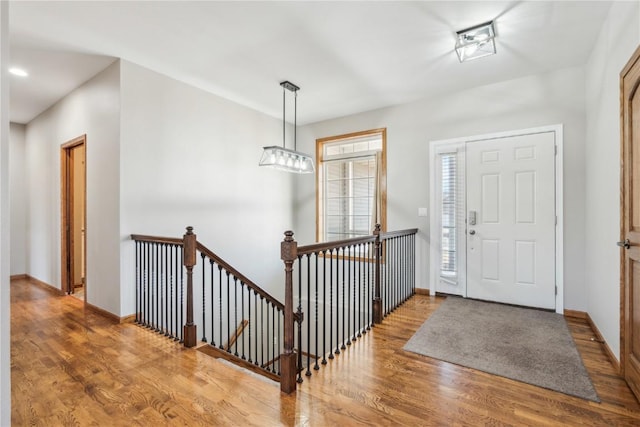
(347, 57)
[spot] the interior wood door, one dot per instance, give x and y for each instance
(630, 223)
(511, 219)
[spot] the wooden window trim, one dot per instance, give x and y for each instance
(320, 167)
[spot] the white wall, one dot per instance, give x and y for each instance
(5, 319)
(618, 39)
(92, 109)
(190, 158)
(18, 189)
(545, 99)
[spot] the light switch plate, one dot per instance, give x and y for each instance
(423, 212)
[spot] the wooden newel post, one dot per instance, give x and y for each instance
(190, 244)
(288, 254)
(377, 300)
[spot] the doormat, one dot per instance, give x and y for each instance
(526, 345)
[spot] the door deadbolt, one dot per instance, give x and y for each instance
(472, 232)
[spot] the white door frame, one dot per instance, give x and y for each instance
(434, 254)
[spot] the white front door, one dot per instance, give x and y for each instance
(510, 207)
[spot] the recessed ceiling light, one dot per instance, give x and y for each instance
(18, 72)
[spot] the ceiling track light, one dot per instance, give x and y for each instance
(476, 42)
(282, 158)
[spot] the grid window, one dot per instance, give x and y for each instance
(351, 177)
(448, 262)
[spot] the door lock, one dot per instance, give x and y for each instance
(473, 215)
(472, 232)
(626, 244)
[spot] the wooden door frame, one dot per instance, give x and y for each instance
(625, 134)
(434, 254)
(66, 217)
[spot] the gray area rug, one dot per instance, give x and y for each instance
(526, 345)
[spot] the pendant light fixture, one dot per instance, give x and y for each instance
(280, 157)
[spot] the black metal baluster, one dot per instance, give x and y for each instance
(138, 281)
(204, 300)
(308, 373)
(220, 305)
(273, 328)
(365, 287)
(171, 296)
(315, 366)
(256, 322)
(242, 306)
(359, 286)
(143, 289)
(300, 367)
(228, 313)
(262, 331)
(370, 283)
(344, 305)
(167, 281)
(181, 264)
(324, 307)
(151, 283)
(165, 286)
(280, 314)
(330, 304)
(235, 312)
(348, 283)
(337, 350)
(405, 269)
(299, 311)
(165, 262)
(157, 290)
(213, 301)
(150, 287)
(354, 265)
(175, 297)
(413, 262)
(269, 359)
(250, 321)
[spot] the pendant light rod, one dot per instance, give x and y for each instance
(293, 88)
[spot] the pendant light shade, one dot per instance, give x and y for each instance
(286, 160)
(282, 158)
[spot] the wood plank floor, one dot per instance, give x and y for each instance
(73, 367)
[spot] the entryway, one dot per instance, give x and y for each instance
(73, 199)
(496, 217)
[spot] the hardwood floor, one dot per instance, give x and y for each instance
(71, 366)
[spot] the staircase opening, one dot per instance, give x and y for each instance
(334, 294)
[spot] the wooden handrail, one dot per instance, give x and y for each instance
(156, 239)
(244, 279)
(390, 234)
(335, 244)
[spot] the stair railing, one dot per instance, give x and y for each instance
(237, 319)
(345, 287)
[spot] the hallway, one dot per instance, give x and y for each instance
(74, 367)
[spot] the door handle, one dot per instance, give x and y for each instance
(626, 244)
(472, 232)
